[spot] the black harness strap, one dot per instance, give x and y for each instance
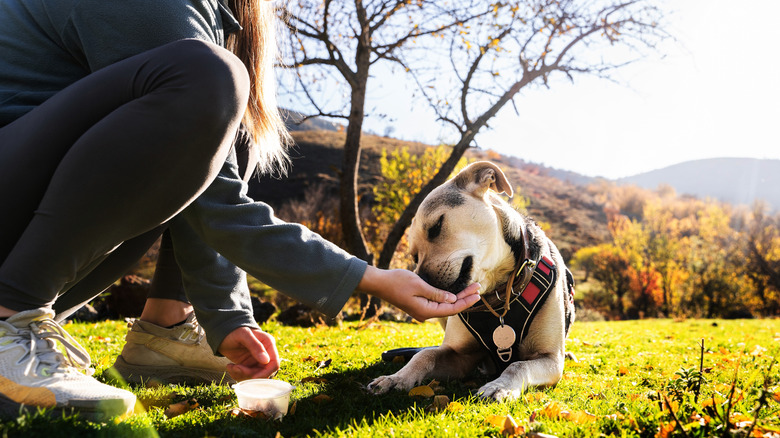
(523, 308)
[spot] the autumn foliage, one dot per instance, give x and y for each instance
(677, 256)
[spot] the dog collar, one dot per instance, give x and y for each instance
(528, 289)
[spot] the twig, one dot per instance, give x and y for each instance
(727, 420)
(697, 389)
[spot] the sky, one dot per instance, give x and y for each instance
(713, 93)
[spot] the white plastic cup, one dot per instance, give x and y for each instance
(271, 397)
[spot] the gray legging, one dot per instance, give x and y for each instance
(89, 178)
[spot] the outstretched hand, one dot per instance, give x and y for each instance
(406, 290)
(253, 353)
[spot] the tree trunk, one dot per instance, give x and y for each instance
(348, 196)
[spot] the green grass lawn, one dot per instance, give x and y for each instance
(628, 376)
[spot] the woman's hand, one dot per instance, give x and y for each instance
(253, 353)
(412, 294)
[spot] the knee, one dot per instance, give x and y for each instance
(212, 83)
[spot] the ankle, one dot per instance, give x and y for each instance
(165, 312)
(5, 312)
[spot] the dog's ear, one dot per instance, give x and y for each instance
(477, 178)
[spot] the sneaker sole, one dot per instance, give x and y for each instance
(143, 374)
(93, 410)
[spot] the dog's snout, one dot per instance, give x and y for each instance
(464, 276)
(425, 277)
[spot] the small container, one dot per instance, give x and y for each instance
(271, 397)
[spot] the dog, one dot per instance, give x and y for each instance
(463, 233)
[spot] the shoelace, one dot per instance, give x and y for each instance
(43, 334)
(192, 331)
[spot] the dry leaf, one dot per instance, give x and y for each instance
(622, 371)
(776, 395)
(323, 363)
(322, 398)
(666, 430)
(314, 380)
(440, 403)
(308, 359)
(421, 391)
(240, 412)
(455, 407)
(506, 424)
(495, 420)
(293, 407)
(181, 407)
(551, 410)
(579, 417)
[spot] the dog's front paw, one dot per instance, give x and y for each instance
(383, 384)
(499, 392)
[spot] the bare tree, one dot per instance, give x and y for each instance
(333, 45)
(468, 58)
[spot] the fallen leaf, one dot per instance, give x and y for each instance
(293, 407)
(510, 427)
(579, 417)
(666, 429)
(776, 395)
(308, 359)
(322, 398)
(323, 363)
(440, 403)
(421, 391)
(181, 407)
(551, 410)
(239, 412)
(506, 424)
(314, 380)
(455, 407)
(622, 371)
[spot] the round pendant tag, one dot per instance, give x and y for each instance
(504, 337)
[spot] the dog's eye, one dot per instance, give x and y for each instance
(435, 230)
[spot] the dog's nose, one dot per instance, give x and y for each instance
(426, 278)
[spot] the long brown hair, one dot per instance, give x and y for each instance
(256, 46)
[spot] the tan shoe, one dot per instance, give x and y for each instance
(176, 355)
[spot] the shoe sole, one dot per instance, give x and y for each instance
(143, 374)
(92, 410)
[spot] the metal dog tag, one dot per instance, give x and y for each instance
(504, 337)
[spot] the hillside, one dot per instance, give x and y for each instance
(575, 219)
(731, 180)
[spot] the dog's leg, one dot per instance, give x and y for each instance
(439, 362)
(545, 370)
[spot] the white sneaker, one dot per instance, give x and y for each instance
(35, 374)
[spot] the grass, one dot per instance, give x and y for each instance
(628, 376)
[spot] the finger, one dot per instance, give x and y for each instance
(437, 295)
(472, 289)
(464, 303)
(243, 372)
(257, 348)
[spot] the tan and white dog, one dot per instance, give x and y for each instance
(464, 233)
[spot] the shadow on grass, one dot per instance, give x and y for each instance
(347, 404)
